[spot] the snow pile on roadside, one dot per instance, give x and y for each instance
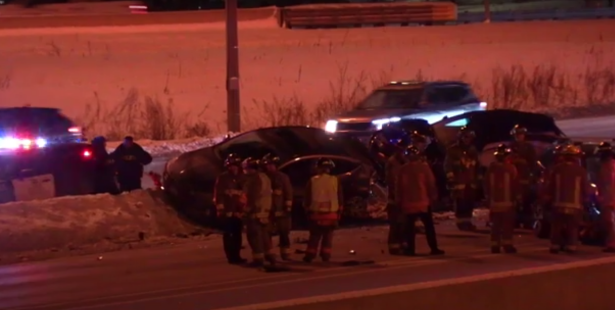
(74, 221)
(168, 147)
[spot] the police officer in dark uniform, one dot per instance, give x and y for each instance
(130, 159)
(104, 168)
(227, 198)
(462, 172)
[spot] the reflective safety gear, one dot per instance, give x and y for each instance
(320, 237)
(232, 160)
(570, 150)
(228, 193)
(282, 193)
(501, 152)
(325, 163)
(568, 189)
(250, 163)
(257, 196)
(502, 227)
(518, 130)
(461, 165)
(415, 188)
(259, 239)
(501, 187)
(270, 160)
(324, 191)
(604, 147)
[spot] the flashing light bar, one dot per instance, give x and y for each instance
(15, 143)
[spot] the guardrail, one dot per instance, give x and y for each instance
(589, 13)
(375, 14)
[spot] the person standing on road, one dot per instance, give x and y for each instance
(324, 204)
(568, 189)
(227, 196)
(461, 165)
(606, 189)
(395, 217)
(130, 159)
(258, 201)
(415, 192)
(525, 159)
(501, 187)
(104, 178)
(281, 212)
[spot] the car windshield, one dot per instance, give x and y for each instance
(392, 99)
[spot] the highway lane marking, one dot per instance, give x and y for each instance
(349, 271)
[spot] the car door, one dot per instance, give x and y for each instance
(446, 131)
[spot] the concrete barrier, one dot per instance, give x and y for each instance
(162, 18)
(585, 285)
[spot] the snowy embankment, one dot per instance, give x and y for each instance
(68, 223)
(162, 148)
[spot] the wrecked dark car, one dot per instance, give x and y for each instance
(591, 231)
(492, 128)
(189, 178)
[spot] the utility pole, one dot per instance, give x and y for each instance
(233, 107)
(487, 11)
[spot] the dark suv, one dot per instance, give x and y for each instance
(399, 100)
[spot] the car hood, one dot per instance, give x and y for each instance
(363, 116)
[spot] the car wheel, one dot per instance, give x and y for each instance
(542, 229)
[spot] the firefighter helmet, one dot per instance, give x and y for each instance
(412, 153)
(418, 138)
(232, 160)
(604, 148)
(325, 163)
(465, 131)
(518, 130)
(501, 152)
(250, 163)
(269, 159)
(570, 150)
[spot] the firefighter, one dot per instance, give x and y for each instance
(461, 165)
(501, 193)
(130, 158)
(258, 201)
(395, 217)
(227, 199)
(104, 178)
(568, 189)
(324, 204)
(525, 160)
(605, 182)
(415, 192)
(281, 210)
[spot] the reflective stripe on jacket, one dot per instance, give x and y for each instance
(257, 188)
(568, 187)
(324, 191)
(501, 186)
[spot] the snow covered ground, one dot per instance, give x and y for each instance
(75, 68)
(71, 223)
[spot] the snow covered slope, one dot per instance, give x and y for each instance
(65, 222)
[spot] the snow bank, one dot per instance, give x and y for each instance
(161, 148)
(71, 222)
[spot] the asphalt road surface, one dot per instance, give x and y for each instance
(194, 275)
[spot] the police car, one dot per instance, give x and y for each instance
(402, 100)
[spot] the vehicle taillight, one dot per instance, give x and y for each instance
(87, 154)
(74, 129)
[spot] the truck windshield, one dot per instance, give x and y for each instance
(392, 99)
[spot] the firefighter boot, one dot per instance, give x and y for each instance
(509, 249)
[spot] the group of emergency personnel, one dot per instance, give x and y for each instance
(510, 186)
(123, 167)
(254, 193)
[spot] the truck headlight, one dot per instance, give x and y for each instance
(331, 126)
